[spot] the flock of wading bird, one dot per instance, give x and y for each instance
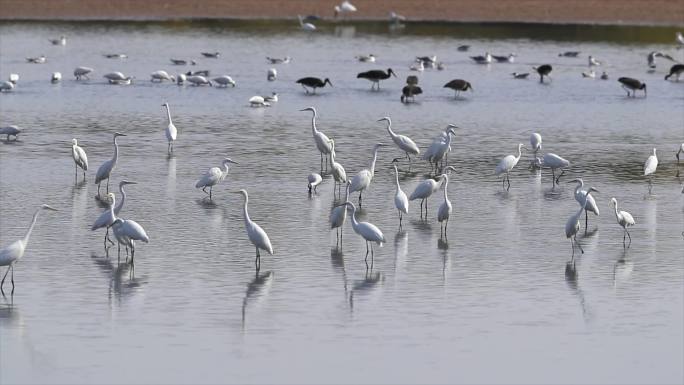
(127, 231)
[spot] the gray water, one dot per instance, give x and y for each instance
(496, 303)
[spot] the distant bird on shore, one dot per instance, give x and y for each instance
(258, 101)
(651, 58)
(82, 72)
(675, 70)
(10, 131)
(370, 58)
(543, 70)
(211, 55)
(271, 74)
(396, 19)
(56, 77)
(463, 48)
(197, 80)
(181, 62)
(160, 76)
(650, 167)
(569, 54)
(459, 85)
(6, 86)
(604, 75)
(273, 98)
(593, 62)
(37, 60)
(520, 75)
(13, 78)
(306, 26)
(118, 78)
(60, 41)
(510, 58)
(197, 73)
(629, 84)
(313, 83)
(589, 74)
(277, 60)
(374, 76)
(418, 66)
(343, 9)
(486, 59)
(679, 38)
(224, 81)
(409, 92)
(115, 56)
(428, 61)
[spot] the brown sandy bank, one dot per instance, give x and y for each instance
(633, 12)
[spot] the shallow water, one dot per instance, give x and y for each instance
(496, 303)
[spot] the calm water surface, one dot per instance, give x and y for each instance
(496, 303)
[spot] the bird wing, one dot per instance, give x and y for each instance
(505, 164)
(338, 172)
(323, 143)
(81, 158)
(444, 211)
(401, 202)
(171, 132)
(424, 189)
(360, 181)
(408, 145)
(11, 253)
(105, 219)
(104, 171)
(134, 231)
(650, 165)
(259, 238)
(629, 220)
(337, 216)
(371, 232)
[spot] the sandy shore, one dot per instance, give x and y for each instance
(636, 12)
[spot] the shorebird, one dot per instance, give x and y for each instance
(463, 48)
(629, 84)
(505, 59)
(118, 78)
(593, 62)
(675, 70)
(306, 26)
(212, 55)
(37, 60)
(589, 74)
(375, 76)
(224, 81)
(273, 98)
(196, 73)
(604, 75)
(60, 41)
(366, 58)
(520, 75)
(344, 8)
(6, 86)
(82, 72)
(115, 55)
(277, 60)
(569, 54)
(651, 58)
(13, 78)
(459, 85)
(313, 83)
(428, 61)
(56, 77)
(198, 80)
(160, 76)
(679, 38)
(419, 66)
(258, 101)
(179, 62)
(410, 91)
(271, 74)
(486, 59)
(543, 70)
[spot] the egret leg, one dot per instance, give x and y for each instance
(578, 245)
(630, 238)
(372, 260)
(446, 225)
(75, 173)
(586, 221)
(503, 182)
(132, 253)
(559, 176)
(624, 235)
(421, 208)
(508, 179)
(366, 259)
(360, 197)
(426, 209)
(307, 91)
(5, 276)
(553, 177)
(572, 243)
(210, 188)
(257, 263)
(98, 189)
(321, 161)
(650, 185)
(107, 185)
(400, 219)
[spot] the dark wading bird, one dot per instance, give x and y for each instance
(629, 84)
(313, 83)
(543, 70)
(410, 91)
(213, 55)
(675, 70)
(375, 76)
(569, 54)
(459, 85)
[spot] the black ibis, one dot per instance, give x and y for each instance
(313, 83)
(569, 54)
(410, 91)
(629, 84)
(375, 76)
(675, 70)
(543, 70)
(459, 85)
(212, 55)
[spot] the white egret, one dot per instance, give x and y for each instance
(323, 143)
(314, 180)
(507, 164)
(679, 151)
(308, 27)
(553, 162)
(106, 219)
(160, 76)
(337, 171)
(107, 167)
(198, 80)
(436, 143)
(80, 158)
(214, 176)
(679, 38)
(402, 141)
(442, 148)
(363, 178)
(15, 250)
(256, 234)
(82, 72)
(581, 196)
(180, 79)
(338, 215)
(624, 219)
(536, 143)
(14, 78)
(444, 210)
(171, 131)
(127, 232)
(225, 81)
(400, 200)
(258, 101)
(572, 226)
(368, 231)
(426, 188)
(650, 168)
(56, 77)
(344, 8)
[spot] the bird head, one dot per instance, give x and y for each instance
(125, 182)
(117, 221)
(309, 109)
(469, 87)
(111, 197)
(327, 81)
(165, 105)
(385, 119)
(242, 191)
(613, 201)
(377, 146)
(654, 152)
(228, 160)
(75, 143)
(450, 129)
(46, 207)
(576, 180)
(449, 168)
(118, 134)
(389, 71)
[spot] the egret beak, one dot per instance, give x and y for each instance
(572, 181)
(49, 208)
(119, 134)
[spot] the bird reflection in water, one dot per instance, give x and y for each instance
(400, 250)
(443, 245)
(337, 261)
(364, 286)
(257, 289)
(622, 269)
(572, 279)
(122, 280)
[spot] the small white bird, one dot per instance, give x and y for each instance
(400, 199)
(404, 143)
(363, 178)
(651, 58)
(517, 75)
(370, 58)
(12, 253)
(314, 179)
(591, 74)
(118, 78)
(180, 79)
(444, 210)
(593, 62)
(507, 164)
(277, 60)
(680, 40)
(419, 66)
(198, 80)
(368, 231)
(271, 74)
(82, 72)
(80, 158)
(273, 98)
(308, 27)
(6, 86)
(214, 176)
(14, 78)
(258, 101)
(127, 232)
(56, 77)
(256, 234)
(160, 76)
(650, 168)
(37, 60)
(585, 200)
(171, 132)
(224, 81)
(60, 41)
(624, 219)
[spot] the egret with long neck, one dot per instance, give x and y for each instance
(323, 143)
(171, 131)
(402, 141)
(256, 234)
(105, 170)
(368, 231)
(400, 200)
(363, 178)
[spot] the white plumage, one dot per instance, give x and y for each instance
(81, 72)
(368, 231)
(56, 77)
(198, 80)
(171, 131)
(214, 176)
(314, 179)
(127, 232)
(554, 162)
(400, 200)
(79, 156)
(256, 234)
(507, 163)
(323, 143)
(624, 219)
(258, 101)
(225, 81)
(651, 164)
(585, 200)
(160, 76)
(402, 141)
(363, 178)
(105, 170)
(337, 171)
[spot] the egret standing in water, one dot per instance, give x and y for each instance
(368, 231)
(400, 200)
(256, 234)
(585, 200)
(444, 210)
(507, 164)
(337, 171)
(338, 216)
(624, 219)
(127, 232)
(572, 226)
(15, 250)
(105, 170)
(323, 143)
(536, 143)
(106, 219)
(214, 176)
(363, 178)
(314, 180)
(650, 168)
(402, 141)
(553, 162)
(80, 159)
(425, 189)
(171, 131)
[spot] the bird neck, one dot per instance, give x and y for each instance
(389, 129)
(332, 155)
(116, 150)
(28, 232)
(616, 211)
(120, 204)
(346, 195)
(519, 153)
(396, 175)
(355, 223)
(446, 186)
(313, 124)
(168, 114)
(245, 212)
(578, 187)
(375, 158)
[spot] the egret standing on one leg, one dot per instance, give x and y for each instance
(402, 141)
(572, 226)
(214, 176)
(363, 178)
(15, 250)
(105, 170)
(256, 234)
(171, 131)
(624, 219)
(650, 168)
(338, 216)
(400, 200)
(368, 231)
(444, 210)
(80, 159)
(322, 141)
(585, 200)
(507, 164)
(127, 232)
